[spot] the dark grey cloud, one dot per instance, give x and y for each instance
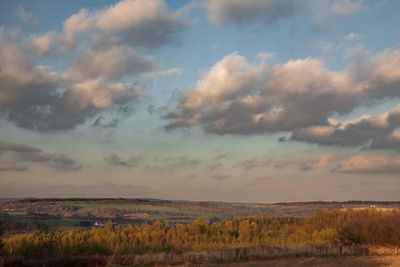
(25, 153)
(56, 161)
(361, 131)
(12, 166)
(114, 159)
(17, 147)
(238, 12)
(172, 163)
(282, 139)
(267, 12)
(252, 163)
(220, 177)
(104, 122)
(160, 163)
(391, 141)
(307, 163)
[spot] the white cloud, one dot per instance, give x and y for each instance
(345, 7)
(352, 36)
(235, 96)
(370, 164)
(99, 94)
(44, 44)
(145, 23)
(238, 97)
(161, 73)
(25, 15)
(110, 61)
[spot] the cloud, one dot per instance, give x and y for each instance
(282, 139)
(17, 147)
(335, 9)
(238, 97)
(308, 163)
(351, 133)
(56, 161)
(300, 96)
(96, 83)
(345, 7)
(12, 166)
(219, 156)
(62, 162)
(146, 23)
(99, 94)
(44, 99)
(191, 176)
(161, 73)
(111, 61)
(25, 15)
(168, 163)
(370, 165)
(391, 141)
(220, 177)
(114, 159)
(171, 163)
(252, 163)
(25, 153)
(352, 36)
(214, 165)
(106, 190)
(44, 44)
(267, 12)
(223, 12)
(19, 97)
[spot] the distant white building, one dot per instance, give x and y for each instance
(98, 224)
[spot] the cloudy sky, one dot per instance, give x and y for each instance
(223, 100)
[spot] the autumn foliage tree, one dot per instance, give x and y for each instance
(324, 228)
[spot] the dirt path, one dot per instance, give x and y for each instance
(371, 261)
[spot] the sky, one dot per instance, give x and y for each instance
(215, 100)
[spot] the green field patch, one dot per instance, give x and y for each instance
(163, 210)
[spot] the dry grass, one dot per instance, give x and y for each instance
(365, 261)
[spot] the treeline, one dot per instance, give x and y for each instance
(324, 228)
